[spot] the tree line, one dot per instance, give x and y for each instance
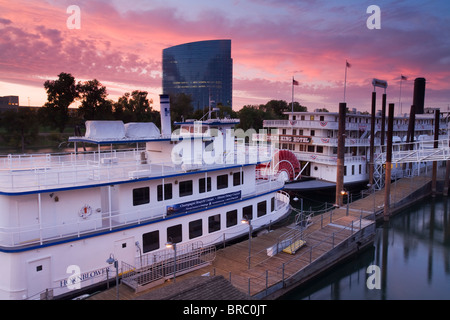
(22, 126)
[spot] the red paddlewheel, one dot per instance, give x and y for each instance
(286, 161)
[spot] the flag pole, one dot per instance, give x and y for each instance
(345, 82)
(292, 105)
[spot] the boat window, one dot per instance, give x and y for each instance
(238, 178)
(204, 185)
(167, 194)
(150, 241)
(222, 181)
(272, 204)
(174, 234)
(261, 209)
(247, 212)
(195, 229)
(185, 188)
(231, 218)
(214, 223)
(141, 196)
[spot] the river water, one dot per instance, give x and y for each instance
(411, 255)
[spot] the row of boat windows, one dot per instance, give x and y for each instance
(151, 240)
(302, 147)
(185, 188)
(352, 170)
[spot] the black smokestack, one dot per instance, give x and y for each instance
(419, 95)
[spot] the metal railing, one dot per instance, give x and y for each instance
(270, 280)
(19, 173)
(104, 221)
(166, 264)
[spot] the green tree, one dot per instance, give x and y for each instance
(277, 108)
(136, 107)
(251, 117)
(61, 93)
(21, 126)
(181, 107)
(94, 102)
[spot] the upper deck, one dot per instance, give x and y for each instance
(355, 121)
(45, 172)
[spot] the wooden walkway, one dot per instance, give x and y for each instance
(328, 232)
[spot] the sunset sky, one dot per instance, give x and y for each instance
(120, 43)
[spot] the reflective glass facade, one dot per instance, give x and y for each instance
(201, 69)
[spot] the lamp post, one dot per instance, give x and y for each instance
(173, 245)
(111, 260)
(345, 192)
(250, 230)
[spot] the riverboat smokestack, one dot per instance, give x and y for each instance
(166, 125)
(419, 95)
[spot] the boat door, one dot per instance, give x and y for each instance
(109, 203)
(28, 219)
(38, 277)
(125, 251)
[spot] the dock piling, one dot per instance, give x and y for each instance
(436, 145)
(387, 188)
(340, 153)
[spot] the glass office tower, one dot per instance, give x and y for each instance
(203, 70)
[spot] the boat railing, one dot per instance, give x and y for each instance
(19, 173)
(307, 156)
(99, 221)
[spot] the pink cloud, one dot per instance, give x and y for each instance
(125, 47)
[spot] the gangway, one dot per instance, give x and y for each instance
(413, 152)
(153, 269)
(292, 240)
(422, 151)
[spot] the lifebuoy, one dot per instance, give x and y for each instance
(85, 211)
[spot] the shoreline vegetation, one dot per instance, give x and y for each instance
(26, 129)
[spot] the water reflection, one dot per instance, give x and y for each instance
(412, 251)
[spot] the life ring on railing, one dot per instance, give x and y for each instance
(85, 211)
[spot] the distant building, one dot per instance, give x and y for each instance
(9, 102)
(203, 70)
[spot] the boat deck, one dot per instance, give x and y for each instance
(27, 173)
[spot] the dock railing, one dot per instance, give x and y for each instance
(271, 279)
(150, 267)
(305, 258)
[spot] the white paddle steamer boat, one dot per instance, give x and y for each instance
(64, 215)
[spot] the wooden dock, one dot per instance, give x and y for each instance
(332, 238)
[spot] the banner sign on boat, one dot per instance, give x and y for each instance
(203, 203)
(299, 139)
